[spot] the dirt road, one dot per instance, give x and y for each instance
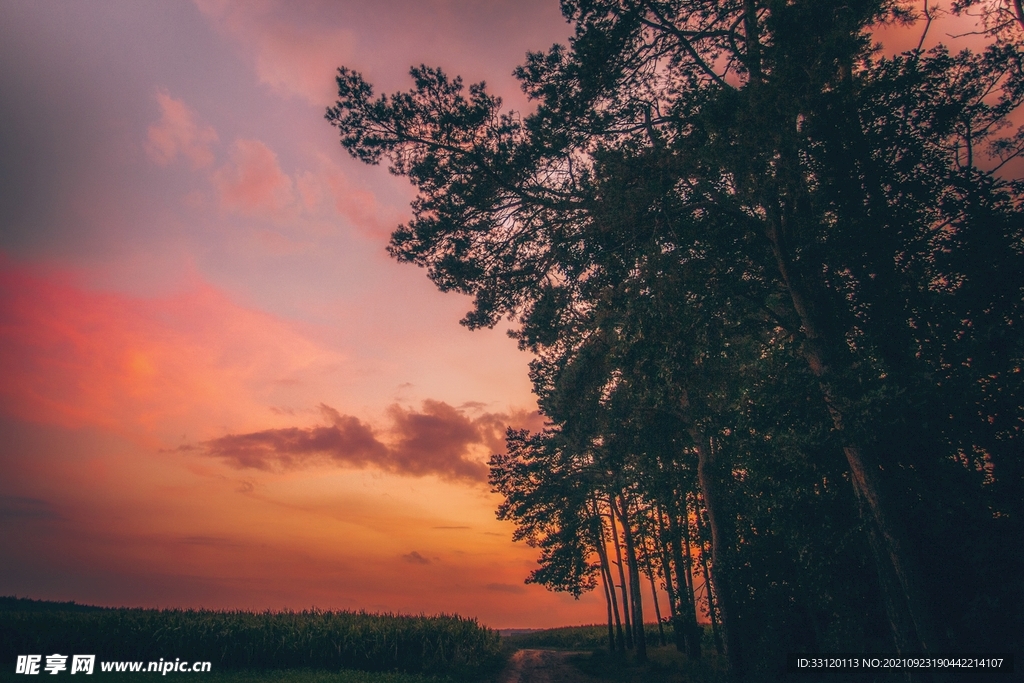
(543, 666)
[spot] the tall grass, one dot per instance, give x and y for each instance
(311, 639)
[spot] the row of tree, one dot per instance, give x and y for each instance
(774, 285)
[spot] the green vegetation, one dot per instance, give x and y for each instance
(313, 639)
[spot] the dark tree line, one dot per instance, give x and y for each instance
(773, 281)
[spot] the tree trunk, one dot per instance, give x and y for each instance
(639, 637)
(654, 597)
(609, 592)
(713, 602)
(606, 575)
(721, 541)
(688, 601)
(678, 628)
(622, 575)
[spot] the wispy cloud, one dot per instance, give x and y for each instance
(292, 54)
(346, 440)
(179, 132)
(252, 182)
(436, 440)
(415, 558)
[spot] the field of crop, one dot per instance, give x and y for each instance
(320, 640)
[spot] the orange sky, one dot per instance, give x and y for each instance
(167, 451)
(217, 388)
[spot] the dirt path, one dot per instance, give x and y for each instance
(543, 666)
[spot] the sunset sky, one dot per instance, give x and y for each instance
(216, 389)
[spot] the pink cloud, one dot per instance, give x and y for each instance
(329, 187)
(360, 206)
(436, 440)
(253, 182)
(346, 440)
(292, 55)
(179, 132)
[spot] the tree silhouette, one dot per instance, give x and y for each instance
(761, 265)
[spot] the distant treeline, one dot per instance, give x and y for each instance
(311, 639)
(9, 603)
(773, 282)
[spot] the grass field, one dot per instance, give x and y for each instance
(269, 641)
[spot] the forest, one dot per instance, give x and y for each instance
(771, 280)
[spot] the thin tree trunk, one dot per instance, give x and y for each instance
(639, 636)
(609, 591)
(688, 609)
(678, 634)
(721, 540)
(622, 575)
(716, 632)
(606, 575)
(654, 597)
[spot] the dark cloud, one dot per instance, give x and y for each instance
(184, 448)
(347, 441)
(19, 508)
(437, 439)
(415, 558)
(281, 411)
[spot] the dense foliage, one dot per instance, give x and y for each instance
(247, 640)
(774, 285)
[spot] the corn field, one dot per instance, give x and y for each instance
(311, 639)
